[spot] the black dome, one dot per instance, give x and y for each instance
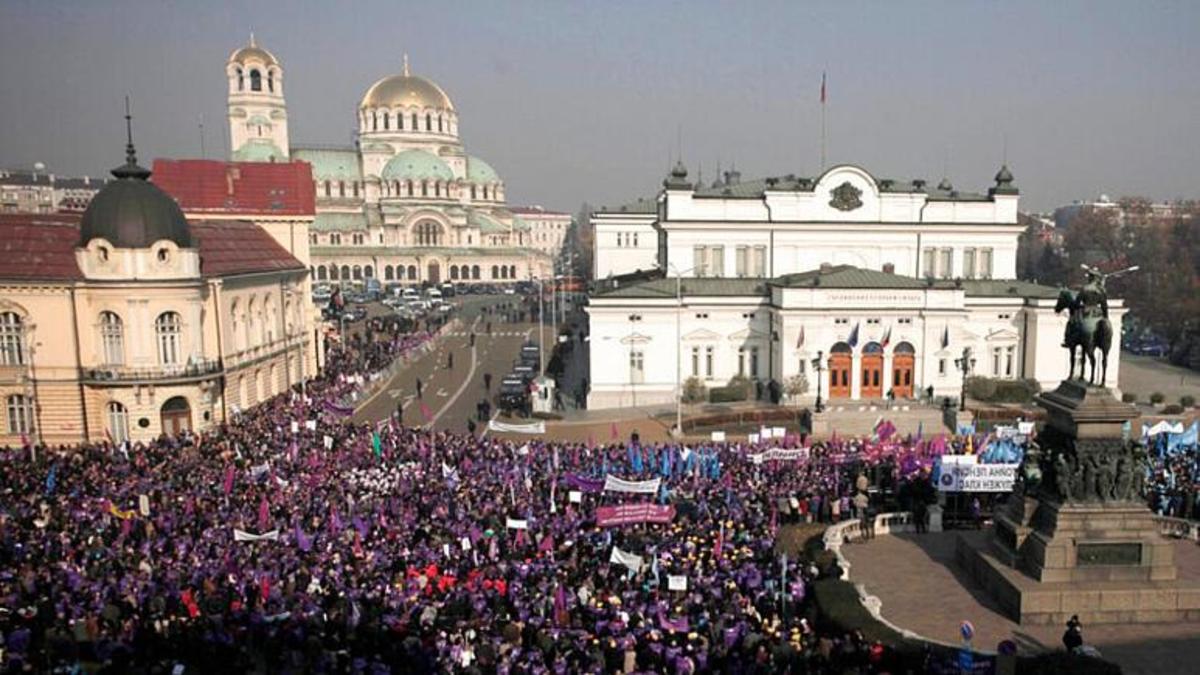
(132, 212)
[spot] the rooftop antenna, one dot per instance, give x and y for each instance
(406, 64)
(130, 153)
(203, 154)
(679, 141)
(252, 42)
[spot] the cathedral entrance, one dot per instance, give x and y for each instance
(902, 370)
(840, 363)
(435, 273)
(872, 371)
(176, 416)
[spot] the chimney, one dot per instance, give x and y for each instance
(889, 268)
(826, 267)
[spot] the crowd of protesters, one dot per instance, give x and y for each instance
(291, 540)
(1174, 486)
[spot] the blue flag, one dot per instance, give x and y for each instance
(853, 339)
(52, 479)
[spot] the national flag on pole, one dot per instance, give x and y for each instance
(946, 337)
(853, 339)
(887, 337)
(800, 340)
(822, 88)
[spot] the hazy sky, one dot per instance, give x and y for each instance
(574, 101)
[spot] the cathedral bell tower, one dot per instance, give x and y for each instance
(258, 126)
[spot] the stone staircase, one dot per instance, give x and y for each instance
(858, 418)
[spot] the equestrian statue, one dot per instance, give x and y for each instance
(1088, 327)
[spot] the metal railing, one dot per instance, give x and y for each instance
(194, 369)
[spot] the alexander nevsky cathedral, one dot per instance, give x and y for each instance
(405, 202)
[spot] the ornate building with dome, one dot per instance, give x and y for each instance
(405, 202)
(135, 320)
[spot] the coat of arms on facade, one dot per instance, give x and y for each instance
(845, 197)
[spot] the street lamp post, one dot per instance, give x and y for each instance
(818, 364)
(679, 345)
(965, 364)
(541, 331)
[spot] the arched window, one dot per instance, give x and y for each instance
(333, 273)
(904, 348)
(168, 327)
(485, 192)
(118, 421)
(358, 272)
(251, 315)
(872, 348)
(412, 272)
(387, 118)
(269, 322)
(368, 271)
(427, 233)
(424, 188)
(474, 271)
(472, 192)
(374, 121)
(112, 339)
(345, 271)
(355, 186)
(12, 339)
(270, 82)
(841, 348)
(512, 271)
(255, 80)
(414, 121)
(400, 121)
(328, 189)
(321, 273)
(388, 271)
(241, 79)
(495, 272)
(454, 271)
(20, 414)
(437, 188)
(410, 188)
(428, 122)
(439, 124)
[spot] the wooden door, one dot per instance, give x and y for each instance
(872, 376)
(902, 375)
(839, 375)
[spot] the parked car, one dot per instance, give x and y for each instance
(514, 396)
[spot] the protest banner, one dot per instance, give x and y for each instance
(780, 454)
(575, 497)
(614, 484)
(514, 524)
(242, 535)
(144, 505)
(328, 442)
(718, 436)
(677, 582)
(628, 514)
(964, 477)
(632, 562)
(506, 428)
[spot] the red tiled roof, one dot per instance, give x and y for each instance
(536, 210)
(212, 186)
(229, 247)
(36, 247)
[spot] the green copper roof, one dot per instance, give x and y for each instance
(417, 164)
(486, 224)
(339, 222)
(479, 171)
(259, 150)
(639, 205)
(520, 225)
(1003, 288)
(259, 119)
(341, 164)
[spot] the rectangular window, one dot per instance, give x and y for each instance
(946, 263)
(708, 361)
(985, 263)
(1009, 357)
(968, 263)
(739, 261)
(754, 362)
(803, 363)
(996, 352)
(695, 362)
(717, 256)
(942, 367)
(635, 239)
(930, 262)
(20, 414)
(759, 268)
(742, 361)
(700, 260)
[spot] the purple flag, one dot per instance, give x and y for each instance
(303, 540)
(264, 515)
(228, 479)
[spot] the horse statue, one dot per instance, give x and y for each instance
(1088, 327)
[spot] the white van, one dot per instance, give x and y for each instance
(433, 296)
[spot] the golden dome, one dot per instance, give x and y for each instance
(406, 90)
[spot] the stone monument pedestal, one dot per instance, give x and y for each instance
(1081, 541)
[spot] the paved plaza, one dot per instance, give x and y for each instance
(923, 590)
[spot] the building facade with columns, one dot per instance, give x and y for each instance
(132, 321)
(405, 202)
(861, 285)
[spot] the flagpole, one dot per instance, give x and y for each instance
(822, 121)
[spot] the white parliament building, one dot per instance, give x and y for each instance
(405, 202)
(888, 281)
